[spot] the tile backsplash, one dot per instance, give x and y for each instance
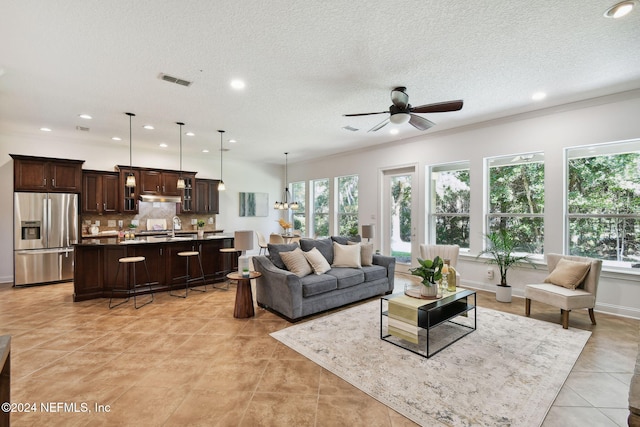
(146, 211)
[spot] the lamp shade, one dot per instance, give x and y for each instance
(369, 231)
(243, 240)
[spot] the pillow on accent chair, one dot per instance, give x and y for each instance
(568, 274)
(317, 260)
(346, 255)
(366, 252)
(296, 262)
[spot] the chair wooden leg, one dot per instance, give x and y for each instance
(565, 318)
(527, 307)
(592, 316)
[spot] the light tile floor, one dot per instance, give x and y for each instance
(189, 362)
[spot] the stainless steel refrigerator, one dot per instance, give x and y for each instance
(45, 228)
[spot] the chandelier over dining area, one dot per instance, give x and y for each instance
(284, 204)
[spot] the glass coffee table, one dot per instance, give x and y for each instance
(426, 326)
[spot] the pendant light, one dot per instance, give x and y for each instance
(180, 184)
(131, 179)
(285, 205)
(221, 186)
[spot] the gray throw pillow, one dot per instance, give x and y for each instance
(274, 253)
(325, 246)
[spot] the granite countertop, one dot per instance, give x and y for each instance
(163, 238)
(145, 233)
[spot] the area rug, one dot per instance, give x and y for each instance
(506, 373)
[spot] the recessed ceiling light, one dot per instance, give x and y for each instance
(205, 151)
(163, 145)
(45, 129)
(620, 9)
(148, 127)
(116, 138)
(190, 134)
(394, 131)
(85, 116)
(538, 96)
(237, 84)
(233, 141)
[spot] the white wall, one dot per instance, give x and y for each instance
(238, 176)
(601, 120)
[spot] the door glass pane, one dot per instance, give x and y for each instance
(400, 224)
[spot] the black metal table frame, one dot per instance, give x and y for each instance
(430, 308)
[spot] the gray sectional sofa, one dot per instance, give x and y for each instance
(293, 297)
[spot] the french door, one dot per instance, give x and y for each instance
(399, 209)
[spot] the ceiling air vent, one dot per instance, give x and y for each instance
(82, 128)
(171, 79)
(352, 129)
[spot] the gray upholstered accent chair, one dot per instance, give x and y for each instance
(565, 298)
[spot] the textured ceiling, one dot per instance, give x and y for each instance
(305, 64)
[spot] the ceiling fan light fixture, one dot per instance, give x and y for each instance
(619, 10)
(400, 118)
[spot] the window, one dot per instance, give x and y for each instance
(516, 199)
(450, 195)
(320, 188)
(298, 194)
(347, 205)
(603, 203)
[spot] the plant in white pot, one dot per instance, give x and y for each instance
(200, 224)
(501, 247)
(430, 271)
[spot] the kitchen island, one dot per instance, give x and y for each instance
(96, 262)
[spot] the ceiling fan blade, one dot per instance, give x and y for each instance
(379, 125)
(399, 98)
(363, 114)
(439, 107)
(420, 123)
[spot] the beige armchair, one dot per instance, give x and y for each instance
(562, 296)
(449, 252)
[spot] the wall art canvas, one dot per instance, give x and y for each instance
(254, 204)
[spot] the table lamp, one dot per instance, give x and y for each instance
(368, 231)
(243, 241)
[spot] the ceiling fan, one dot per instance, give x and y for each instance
(402, 112)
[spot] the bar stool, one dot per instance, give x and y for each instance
(131, 286)
(227, 264)
(187, 277)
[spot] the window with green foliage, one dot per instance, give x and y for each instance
(347, 205)
(450, 196)
(516, 199)
(603, 203)
(320, 188)
(298, 194)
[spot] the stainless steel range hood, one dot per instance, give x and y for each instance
(160, 198)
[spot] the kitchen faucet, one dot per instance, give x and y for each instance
(176, 224)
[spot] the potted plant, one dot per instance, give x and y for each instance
(501, 247)
(200, 228)
(430, 271)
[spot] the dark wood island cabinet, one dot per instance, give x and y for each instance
(96, 263)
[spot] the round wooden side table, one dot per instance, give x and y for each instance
(244, 296)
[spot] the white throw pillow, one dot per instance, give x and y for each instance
(296, 262)
(317, 260)
(366, 252)
(346, 255)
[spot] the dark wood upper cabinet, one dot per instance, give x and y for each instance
(150, 182)
(46, 174)
(100, 192)
(207, 196)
